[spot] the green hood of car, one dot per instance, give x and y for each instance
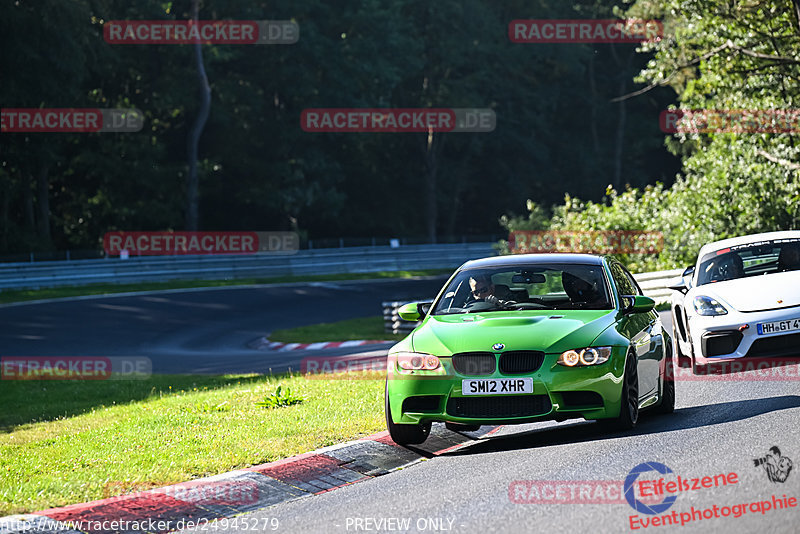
(546, 330)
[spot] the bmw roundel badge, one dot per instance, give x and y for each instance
(498, 346)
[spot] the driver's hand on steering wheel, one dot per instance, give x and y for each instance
(491, 299)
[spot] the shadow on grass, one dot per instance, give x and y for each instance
(33, 401)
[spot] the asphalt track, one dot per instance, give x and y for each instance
(719, 427)
(199, 330)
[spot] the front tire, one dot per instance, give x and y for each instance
(629, 400)
(684, 361)
(404, 434)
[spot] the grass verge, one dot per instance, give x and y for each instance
(20, 295)
(350, 329)
(663, 306)
(75, 441)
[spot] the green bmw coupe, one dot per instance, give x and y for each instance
(522, 338)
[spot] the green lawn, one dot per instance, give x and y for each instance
(350, 329)
(18, 295)
(74, 441)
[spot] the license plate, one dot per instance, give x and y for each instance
(496, 386)
(789, 325)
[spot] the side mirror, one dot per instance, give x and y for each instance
(678, 284)
(638, 304)
(682, 284)
(423, 308)
(414, 311)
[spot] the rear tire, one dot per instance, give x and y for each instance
(404, 434)
(629, 400)
(667, 386)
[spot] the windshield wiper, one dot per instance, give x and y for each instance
(530, 306)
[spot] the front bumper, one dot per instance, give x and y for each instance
(559, 392)
(724, 338)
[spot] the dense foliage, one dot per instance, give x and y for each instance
(739, 55)
(558, 131)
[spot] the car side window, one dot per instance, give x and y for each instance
(623, 283)
(632, 281)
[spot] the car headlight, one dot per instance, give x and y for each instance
(707, 306)
(417, 361)
(584, 357)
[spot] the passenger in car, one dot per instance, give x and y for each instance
(579, 290)
(730, 267)
(789, 258)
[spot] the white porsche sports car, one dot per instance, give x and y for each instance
(740, 300)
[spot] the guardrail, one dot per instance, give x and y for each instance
(305, 262)
(392, 323)
(653, 284)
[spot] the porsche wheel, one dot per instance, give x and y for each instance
(684, 361)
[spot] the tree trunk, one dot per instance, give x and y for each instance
(433, 144)
(621, 119)
(192, 208)
(43, 203)
(593, 107)
(455, 206)
(5, 205)
(620, 140)
(796, 4)
(27, 202)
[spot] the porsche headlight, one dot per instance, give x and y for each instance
(708, 306)
(585, 357)
(417, 361)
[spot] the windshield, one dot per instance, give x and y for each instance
(753, 259)
(530, 287)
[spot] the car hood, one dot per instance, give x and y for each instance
(756, 293)
(546, 330)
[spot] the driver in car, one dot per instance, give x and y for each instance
(789, 258)
(484, 289)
